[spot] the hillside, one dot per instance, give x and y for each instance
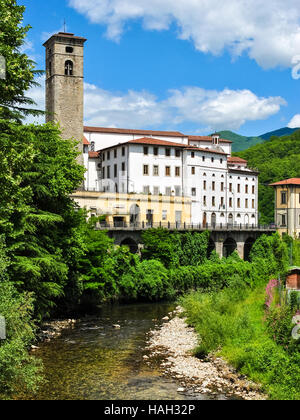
(276, 159)
(279, 133)
(240, 142)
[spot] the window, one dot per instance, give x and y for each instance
(213, 185)
(92, 146)
(108, 155)
(103, 172)
(221, 161)
(192, 154)
(212, 159)
(253, 204)
(146, 150)
(155, 170)
(69, 50)
(108, 172)
(193, 170)
(238, 202)
(204, 185)
(222, 201)
(164, 215)
(168, 190)
(283, 197)
(155, 151)
(123, 166)
(168, 152)
(203, 158)
(238, 188)
(253, 189)
(115, 153)
(68, 68)
(246, 203)
(168, 171)
(146, 170)
(146, 189)
(213, 201)
(230, 202)
(177, 171)
(177, 153)
(156, 190)
(204, 200)
(123, 151)
(283, 220)
(222, 186)
(246, 189)
(230, 187)
(193, 192)
(177, 191)
(115, 171)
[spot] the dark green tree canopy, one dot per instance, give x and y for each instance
(20, 70)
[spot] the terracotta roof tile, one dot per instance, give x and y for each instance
(85, 141)
(236, 159)
(130, 131)
(291, 181)
(93, 154)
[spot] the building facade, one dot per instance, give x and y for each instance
(221, 189)
(287, 206)
(164, 176)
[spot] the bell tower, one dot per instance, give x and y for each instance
(64, 84)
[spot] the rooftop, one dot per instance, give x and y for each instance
(131, 131)
(290, 181)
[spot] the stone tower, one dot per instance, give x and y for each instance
(64, 84)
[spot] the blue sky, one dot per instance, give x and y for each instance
(189, 65)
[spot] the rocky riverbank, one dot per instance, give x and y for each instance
(173, 343)
(53, 329)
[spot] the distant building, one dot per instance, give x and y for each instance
(287, 206)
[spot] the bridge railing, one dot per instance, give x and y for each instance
(184, 226)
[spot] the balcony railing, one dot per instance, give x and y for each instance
(184, 226)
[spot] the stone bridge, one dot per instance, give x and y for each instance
(223, 239)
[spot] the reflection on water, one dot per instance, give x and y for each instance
(95, 361)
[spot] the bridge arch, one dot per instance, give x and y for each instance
(247, 248)
(229, 246)
(131, 244)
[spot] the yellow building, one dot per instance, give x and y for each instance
(287, 206)
(126, 210)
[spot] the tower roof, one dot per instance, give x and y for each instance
(65, 35)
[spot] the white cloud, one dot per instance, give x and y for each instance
(295, 121)
(268, 30)
(227, 109)
(212, 109)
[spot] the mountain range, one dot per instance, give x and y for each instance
(242, 142)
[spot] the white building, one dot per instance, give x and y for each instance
(222, 188)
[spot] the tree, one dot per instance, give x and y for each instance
(20, 70)
(37, 215)
(18, 370)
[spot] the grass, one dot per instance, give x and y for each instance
(231, 323)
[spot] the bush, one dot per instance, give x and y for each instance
(18, 370)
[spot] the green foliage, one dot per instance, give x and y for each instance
(175, 249)
(18, 370)
(162, 245)
(240, 142)
(38, 171)
(275, 160)
(230, 323)
(20, 70)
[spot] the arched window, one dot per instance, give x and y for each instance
(69, 68)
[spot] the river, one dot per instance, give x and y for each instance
(95, 361)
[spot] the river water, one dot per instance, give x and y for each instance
(95, 361)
